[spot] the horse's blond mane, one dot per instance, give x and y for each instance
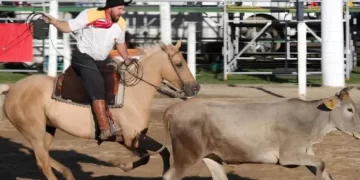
(145, 51)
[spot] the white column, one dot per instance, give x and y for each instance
(191, 48)
(165, 16)
(332, 45)
(302, 57)
(67, 49)
(225, 44)
(347, 42)
(52, 64)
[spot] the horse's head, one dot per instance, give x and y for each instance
(175, 71)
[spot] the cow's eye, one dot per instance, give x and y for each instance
(350, 110)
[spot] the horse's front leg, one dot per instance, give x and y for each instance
(128, 166)
(141, 146)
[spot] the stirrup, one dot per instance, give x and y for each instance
(112, 125)
(115, 136)
(114, 130)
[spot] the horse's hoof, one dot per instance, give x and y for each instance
(70, 178)
(124, 166)
(68, 175)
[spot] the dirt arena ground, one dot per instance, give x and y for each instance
(87, 160)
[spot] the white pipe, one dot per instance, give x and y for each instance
(237, 37)
(225, 37)
(165, 16)
(347, 42)
(233, 62)
(302, 55)
(53, 37)
(191, 48)
(67, 48)
(332, 45)
(67, 51)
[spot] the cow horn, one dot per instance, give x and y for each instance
(345, 91)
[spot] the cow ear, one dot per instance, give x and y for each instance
(331, 103)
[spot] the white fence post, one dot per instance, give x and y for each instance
(165, 16)
(53, 40)
(302, 58)
(67, 48)
(191, 48)
(332, 43)
(301, 48)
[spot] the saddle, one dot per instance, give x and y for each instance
(69, 88)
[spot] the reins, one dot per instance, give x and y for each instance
(162, 90)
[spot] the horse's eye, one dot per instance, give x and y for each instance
(179, 64)
(350, 110)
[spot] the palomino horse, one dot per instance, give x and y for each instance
(29, 106)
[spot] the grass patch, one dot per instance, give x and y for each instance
(7, 77)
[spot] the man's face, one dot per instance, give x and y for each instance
(116, 13)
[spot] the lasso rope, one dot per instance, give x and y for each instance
(137, 76)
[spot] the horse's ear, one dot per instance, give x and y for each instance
(162, 45)
(178, 44)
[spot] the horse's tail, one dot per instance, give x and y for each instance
(4, 88)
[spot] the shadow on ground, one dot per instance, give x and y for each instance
(230, 177)
(18, 161)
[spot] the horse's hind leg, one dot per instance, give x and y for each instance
(36, 139)
(40, 139)
(50, 132)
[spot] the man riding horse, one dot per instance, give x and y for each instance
(98, 30)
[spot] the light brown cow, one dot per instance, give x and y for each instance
(276, 133)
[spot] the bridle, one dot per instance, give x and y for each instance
(173, 91)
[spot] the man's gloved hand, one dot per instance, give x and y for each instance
(129, 60)
(49, 19)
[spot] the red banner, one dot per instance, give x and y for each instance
(15, 43)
